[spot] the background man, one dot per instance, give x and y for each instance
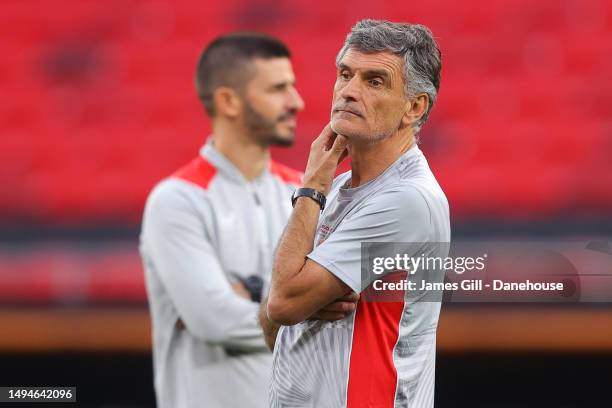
(383, 355)
(213, 224)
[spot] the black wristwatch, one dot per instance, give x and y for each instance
(318, 196)
(254, 285)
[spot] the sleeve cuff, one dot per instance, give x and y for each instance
(337, 272)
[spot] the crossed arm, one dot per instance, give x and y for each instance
(174, 244)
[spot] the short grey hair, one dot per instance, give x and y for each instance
(413, 42)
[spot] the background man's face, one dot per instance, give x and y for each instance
(369, 99)
(272, 102)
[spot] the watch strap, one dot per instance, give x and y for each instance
(318, 196)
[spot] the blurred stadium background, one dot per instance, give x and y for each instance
(98, 104)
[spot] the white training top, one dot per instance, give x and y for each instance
(203, 227)
(383, 355)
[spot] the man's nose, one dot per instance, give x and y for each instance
(351, 91)
(295, 100)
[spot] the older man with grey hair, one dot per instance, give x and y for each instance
(383, 354)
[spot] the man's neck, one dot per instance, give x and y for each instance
(370, 160)
(249, 157)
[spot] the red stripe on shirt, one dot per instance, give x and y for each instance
(198, 171)
(287, 174)
(372, 373)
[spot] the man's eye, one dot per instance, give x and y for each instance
(376, 82)
(345, 75)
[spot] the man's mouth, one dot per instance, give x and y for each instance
(346, 110)
(289, 120)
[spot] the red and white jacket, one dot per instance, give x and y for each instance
(204, 227)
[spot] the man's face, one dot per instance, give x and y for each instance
(369, 100)
(271, 102)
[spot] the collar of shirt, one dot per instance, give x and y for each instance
(346, 192)
(226, 167)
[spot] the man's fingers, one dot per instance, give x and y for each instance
(343, 156)
(339, 145)
(350, 297)
(330, 316)
(345, 307)
(329, 142)
(240, 290)
(335, 311)
(325, 138)
(339, 309)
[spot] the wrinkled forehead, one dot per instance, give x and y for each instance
(357, 60)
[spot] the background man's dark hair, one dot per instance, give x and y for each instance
(225, 62)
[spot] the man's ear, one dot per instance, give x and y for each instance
(227, 101)
(415, 109)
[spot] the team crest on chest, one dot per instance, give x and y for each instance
(324, 231)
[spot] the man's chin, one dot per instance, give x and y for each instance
(341, 127)
(282, 141)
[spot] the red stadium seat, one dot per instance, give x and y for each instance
(98, 101)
